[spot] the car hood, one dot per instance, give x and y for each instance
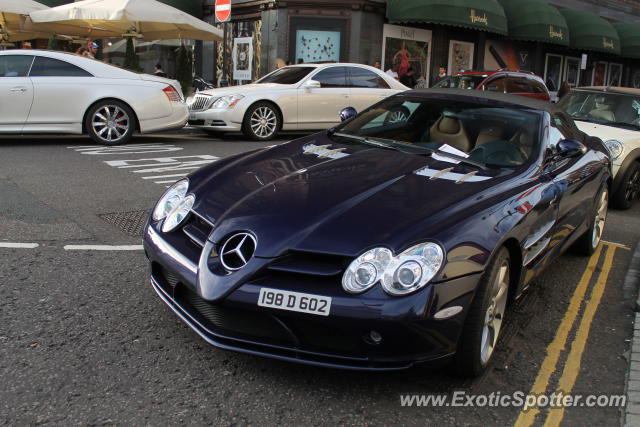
(318, 195)
(243, 89)
(605, 132)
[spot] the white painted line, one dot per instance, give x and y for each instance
(18, 245)
(165, 176)
(103, 248)
(165, 182)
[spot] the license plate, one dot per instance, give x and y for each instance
(294, 301)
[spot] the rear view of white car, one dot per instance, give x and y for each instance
(54, 92)
(297, 97)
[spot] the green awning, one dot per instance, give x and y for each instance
(484, 15)
(629, 34)
(590, 32)
(535, 20)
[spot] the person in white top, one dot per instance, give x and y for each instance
(393, 71)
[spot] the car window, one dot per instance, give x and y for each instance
(287, 75)
(538, 87)
(332, 77)
(518, 85)
(462, 81)
(50, 67)
(495, 85)
(366, 78)
(15, 65)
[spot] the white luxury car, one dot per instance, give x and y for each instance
(297, 97)
(613, 115)
(55, 92)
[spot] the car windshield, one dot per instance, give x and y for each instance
(286, 75)
(483, 133)
(462, 81)
(607, 108)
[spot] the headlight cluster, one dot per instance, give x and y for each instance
(174, 206)
(615, 147)
(228, 101)
(398, 275)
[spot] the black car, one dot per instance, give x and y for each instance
(398, 237)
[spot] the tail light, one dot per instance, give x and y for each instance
(172, 93)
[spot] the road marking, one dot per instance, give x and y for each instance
(101, 150)
(550, 362)
(103, 248)
(572, 364)
(165, 176)
(617, 245)
(169, 167)
(11, 245)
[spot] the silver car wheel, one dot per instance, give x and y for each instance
(495, 312)
(110, 123)
(600, 219)
(263, 122)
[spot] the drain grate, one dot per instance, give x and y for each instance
(132, 223)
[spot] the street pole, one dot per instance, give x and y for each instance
(225, 57)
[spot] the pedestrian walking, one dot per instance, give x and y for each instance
(157, 70)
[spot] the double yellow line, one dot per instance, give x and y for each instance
(559, 343)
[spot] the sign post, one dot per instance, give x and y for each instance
(223, 14)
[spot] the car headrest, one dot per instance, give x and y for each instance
(449, 125)
(487, 134)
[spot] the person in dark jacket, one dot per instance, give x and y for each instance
(158, 71)
(409, 78)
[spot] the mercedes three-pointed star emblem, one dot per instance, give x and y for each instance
(237, 251)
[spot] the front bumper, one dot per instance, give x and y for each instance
(409, 332)
(223, 120)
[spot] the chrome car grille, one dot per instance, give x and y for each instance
(200, 102)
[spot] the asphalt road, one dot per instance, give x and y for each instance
(85, 341)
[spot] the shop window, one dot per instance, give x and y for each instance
(332, 77)
(316, 40)
(365, 78)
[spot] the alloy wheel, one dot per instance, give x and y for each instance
(633, 186)
(600, 219)
(110, 123)
(263, 122)
(495, 312)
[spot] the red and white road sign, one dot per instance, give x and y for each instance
(223, 10)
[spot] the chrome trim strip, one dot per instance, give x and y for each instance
(536, 250)
(167, 249)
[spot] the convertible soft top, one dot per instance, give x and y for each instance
(513, 100)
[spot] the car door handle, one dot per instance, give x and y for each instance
(18, 89)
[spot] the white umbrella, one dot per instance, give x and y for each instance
(148, 19)
(12, 14)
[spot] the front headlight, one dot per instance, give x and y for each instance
(615, 147)
(399, 275)
(171, 198)
(178, 214)
(228, 101)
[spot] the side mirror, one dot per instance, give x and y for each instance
(571, 148)
(347, 114)
(312, 84)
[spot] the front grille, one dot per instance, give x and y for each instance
(197, 229)
(245, 323)
(313, 264)
(200, 102)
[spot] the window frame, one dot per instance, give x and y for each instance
(379, 78)
(321, 70)
(44, 58)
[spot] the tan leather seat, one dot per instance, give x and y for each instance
(603, 114)
(488, 134)
(450, 130)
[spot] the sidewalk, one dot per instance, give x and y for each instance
(632, 283)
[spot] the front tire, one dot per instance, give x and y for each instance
(261, 122)
(110, 122)
(629, 190)
(589, 241)
(484, 321)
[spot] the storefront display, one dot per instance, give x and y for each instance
(242, 58)
(317, 46)
(407, 47)
(460, 56)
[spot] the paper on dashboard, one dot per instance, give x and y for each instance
(449, 149)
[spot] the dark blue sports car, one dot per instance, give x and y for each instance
(398, 237)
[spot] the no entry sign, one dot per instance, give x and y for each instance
(223, 10)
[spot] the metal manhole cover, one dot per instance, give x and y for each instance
(131, 223)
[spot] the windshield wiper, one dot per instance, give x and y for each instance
(409, 148)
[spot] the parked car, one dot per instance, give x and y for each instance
(298, 97)
(613, 115)
(55, 92)
(523, 83)
(381, 243)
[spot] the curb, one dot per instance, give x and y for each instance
(630, 288)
